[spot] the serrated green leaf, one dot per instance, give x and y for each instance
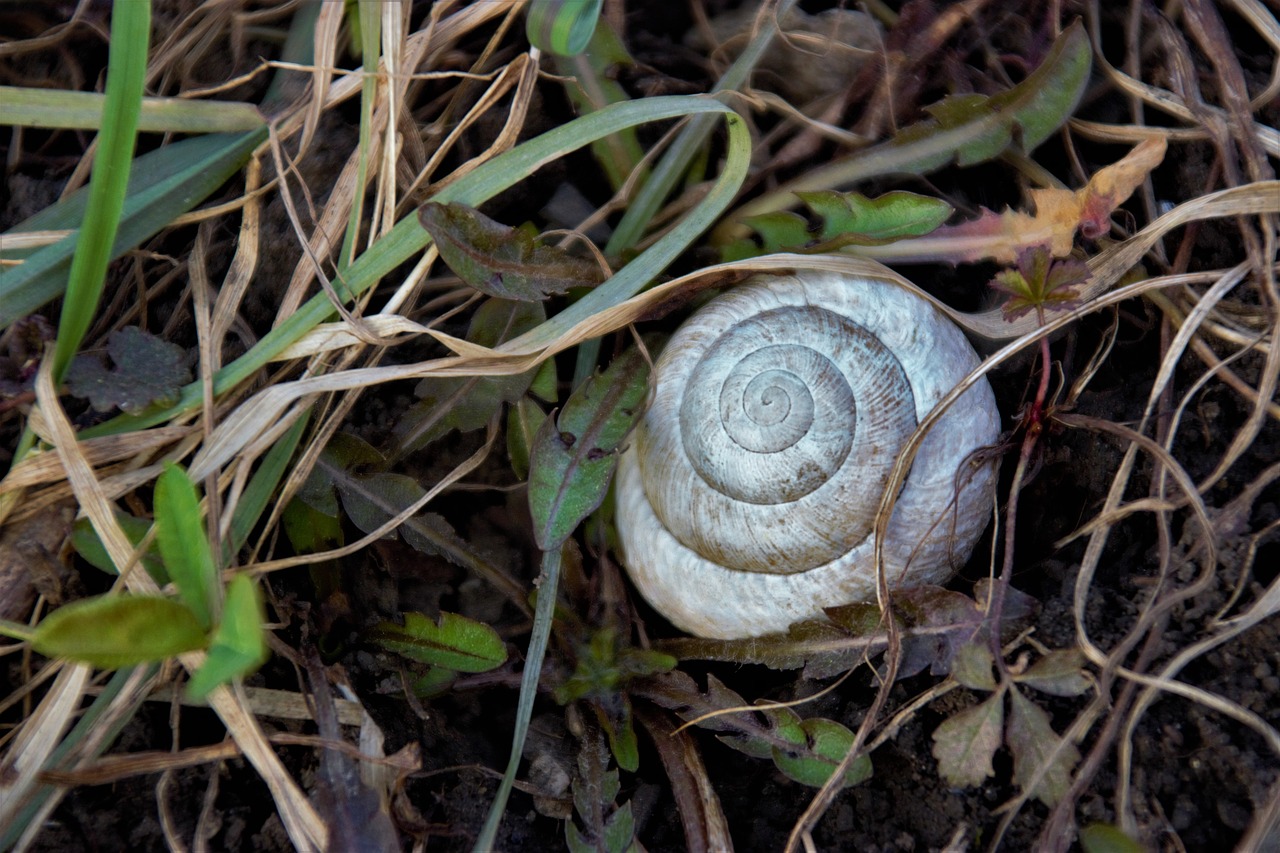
(111, 631)
(852, 217)
(821, 745)
(1059, 673)
(184, 544)
(1033, 743)
(509, 263)
(562, 27)
(455, 642)
(574, 455)
(966, 742)
(144, 370)
(239, 645)
(972, 667)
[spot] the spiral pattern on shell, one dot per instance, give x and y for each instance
(748, 496)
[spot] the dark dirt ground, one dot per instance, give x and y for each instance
(1198, 776)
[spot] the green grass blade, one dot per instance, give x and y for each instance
(166, 183)
(542, 618)
(52, 108)
(253, 502)
(126, 70)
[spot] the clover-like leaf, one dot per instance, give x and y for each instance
(1039, 282)
(144, 370)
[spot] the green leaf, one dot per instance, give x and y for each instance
(1107, 838)
(972, 667)
(852, 217)
(53, 108)
(1033, 744)
(239, 645)
(822, 744)
(87, 544)
(309, 530)
(562, 27)
(108, 184)
(523, 421)
(145, 370)
(620, 830)
(262, 486)
(467, 403)
(509, 263)
(1039, 281)
(1059, 673)
(574, 455)
(164, 183)
(455, 642)
(184, 545)
(966, 742)
(111, 631)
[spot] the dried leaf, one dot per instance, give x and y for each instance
(500, 261)
(144, 370)
(966, 742)
(1033, 743)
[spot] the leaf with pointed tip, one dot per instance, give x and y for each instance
(454, 642)
(184, 543)
(239, 644)
(111, 631)
(1059, 673)
(574, 455)
(509, 263)
(966, 742)
(972, 667)
(1036, 752)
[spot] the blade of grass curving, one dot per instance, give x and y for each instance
(126, 70)
(53, 108)
(408, 237)
(674, 165)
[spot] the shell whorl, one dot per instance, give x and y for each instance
(748, 496)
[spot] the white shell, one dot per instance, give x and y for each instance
(737, 520)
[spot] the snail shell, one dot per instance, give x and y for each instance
(748, 496)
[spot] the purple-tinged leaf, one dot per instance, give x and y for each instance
(966, 742)
(509, 263)
(1036, 752)
(144, 370)
(1059, 673)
